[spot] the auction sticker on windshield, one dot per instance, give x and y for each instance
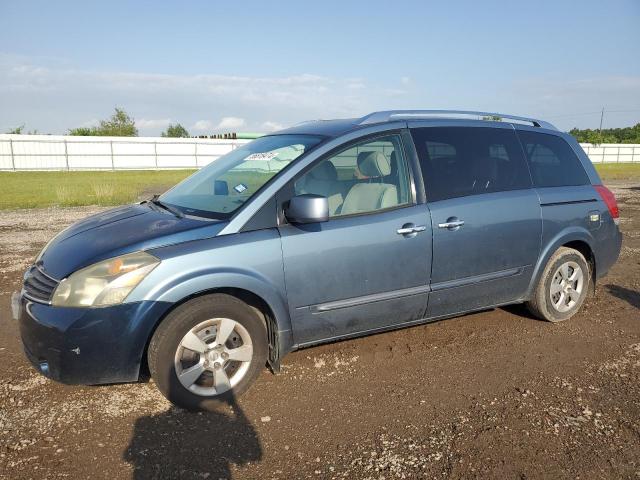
(240, 188)
(263, 156)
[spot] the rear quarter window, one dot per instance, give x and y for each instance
(552, 161)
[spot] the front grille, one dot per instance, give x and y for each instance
(38, 286)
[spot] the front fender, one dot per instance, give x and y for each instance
(183, 285)
(250, 261)
(569, 234)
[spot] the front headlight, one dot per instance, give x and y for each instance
(104, 283)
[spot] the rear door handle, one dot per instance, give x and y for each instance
(451, 224)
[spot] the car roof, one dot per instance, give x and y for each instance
(335, 128)
(328, 128)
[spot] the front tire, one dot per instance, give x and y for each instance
(208, 351)
(563, 286)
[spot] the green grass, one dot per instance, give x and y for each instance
(618, 171)
(45, 189)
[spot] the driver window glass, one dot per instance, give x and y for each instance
(364, 178)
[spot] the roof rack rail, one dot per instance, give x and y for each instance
(388, 115)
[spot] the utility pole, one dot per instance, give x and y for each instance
(600, 130)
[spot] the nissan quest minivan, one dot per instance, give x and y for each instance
(324, 231)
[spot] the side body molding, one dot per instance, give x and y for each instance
(250, 261)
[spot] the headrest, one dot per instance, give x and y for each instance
(324, 171)
(373, 164)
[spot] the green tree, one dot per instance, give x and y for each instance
(20, 131)
(608, 135)
(83, 131)
(120, 124)
(17, 131)
(175, 131)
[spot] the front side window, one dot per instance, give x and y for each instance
(462, 161)
(552, 161)
(227, 183)
(364, 178)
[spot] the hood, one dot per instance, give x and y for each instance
(119, 231)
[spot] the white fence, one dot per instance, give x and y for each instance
(612, 152)
(60, 152)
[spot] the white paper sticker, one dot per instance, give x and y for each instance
(263, 156)
(240, 188)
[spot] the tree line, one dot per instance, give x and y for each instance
(120, 124)
(608, 135)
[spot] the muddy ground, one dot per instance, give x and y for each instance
(495, 394)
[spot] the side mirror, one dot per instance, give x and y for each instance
(308, 208)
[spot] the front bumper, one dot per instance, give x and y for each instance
(87, 345)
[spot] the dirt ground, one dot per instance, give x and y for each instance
(495, 394)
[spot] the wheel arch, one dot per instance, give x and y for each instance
(587, 252)
(576, 238)
(264, 299)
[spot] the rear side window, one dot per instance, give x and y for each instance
(462, 161)
(552, 161)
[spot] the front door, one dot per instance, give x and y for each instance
(486, 218)
(366, 268)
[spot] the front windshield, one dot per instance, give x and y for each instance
(225, 184)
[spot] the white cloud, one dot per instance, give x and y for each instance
(356, 85)
(53, 98)
(159, 123)
(394, 92)
(231, 123)
(202, 125)
(270, 126)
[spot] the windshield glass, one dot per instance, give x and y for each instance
(225, 184)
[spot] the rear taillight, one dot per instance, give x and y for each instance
(610, 200)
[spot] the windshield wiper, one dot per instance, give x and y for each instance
(155, 200)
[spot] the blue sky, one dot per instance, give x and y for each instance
(234, 66)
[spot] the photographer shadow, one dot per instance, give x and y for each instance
(182, 444)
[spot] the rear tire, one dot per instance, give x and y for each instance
(562, 287)
(208, 351)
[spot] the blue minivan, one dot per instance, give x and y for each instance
(324, 231)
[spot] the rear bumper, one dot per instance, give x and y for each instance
(87, 345)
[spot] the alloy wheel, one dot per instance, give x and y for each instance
(213, 356)
(566, 286)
